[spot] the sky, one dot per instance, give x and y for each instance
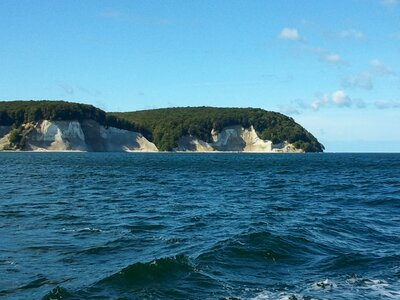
(333, 66)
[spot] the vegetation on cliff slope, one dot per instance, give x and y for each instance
(164, 127)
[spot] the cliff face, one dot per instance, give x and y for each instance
(234, 138)
(87, 135)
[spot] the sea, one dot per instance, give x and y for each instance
(199, 226)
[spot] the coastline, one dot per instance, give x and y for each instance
(160, 152)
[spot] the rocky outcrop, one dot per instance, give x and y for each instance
(55, 136)
(87, 135)
(234, 138)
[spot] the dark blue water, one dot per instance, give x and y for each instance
(199, 226)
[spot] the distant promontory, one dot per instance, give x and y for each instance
(66, 126)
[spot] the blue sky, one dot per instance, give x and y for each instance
(332, 65)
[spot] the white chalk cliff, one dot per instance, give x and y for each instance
(86, 135)
(89, 135)
(234, 138)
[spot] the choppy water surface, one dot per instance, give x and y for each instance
(199, 226)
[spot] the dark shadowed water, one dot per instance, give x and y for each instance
(199, 226)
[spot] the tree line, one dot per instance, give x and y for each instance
(16, 113)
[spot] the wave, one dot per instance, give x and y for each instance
(159, 270)
(264, 247)
(348, 263)
(164, 278)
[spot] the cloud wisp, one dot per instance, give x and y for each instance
(66, 88)
(364, 79)
(380, 68)
(333, 58)
(352, 34)
(289, 109)
(387, 104)
(119, 15)
(361, 80)
(111, 13)
(70, 90)
(336, 99)
(389, 3)
(290, 34)
(323, 55)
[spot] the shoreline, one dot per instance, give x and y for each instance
(139, 151)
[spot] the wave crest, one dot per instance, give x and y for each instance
(156, 271)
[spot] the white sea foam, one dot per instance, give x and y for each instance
(266, 295)
(85, 229)
(91, 229)
(324, 285)
(376, 287)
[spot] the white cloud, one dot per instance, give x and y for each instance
(336, 99)
(380, 68)
(389, 3)
(352, 34)
(361, 80)
(340, 98)
(289, 34)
